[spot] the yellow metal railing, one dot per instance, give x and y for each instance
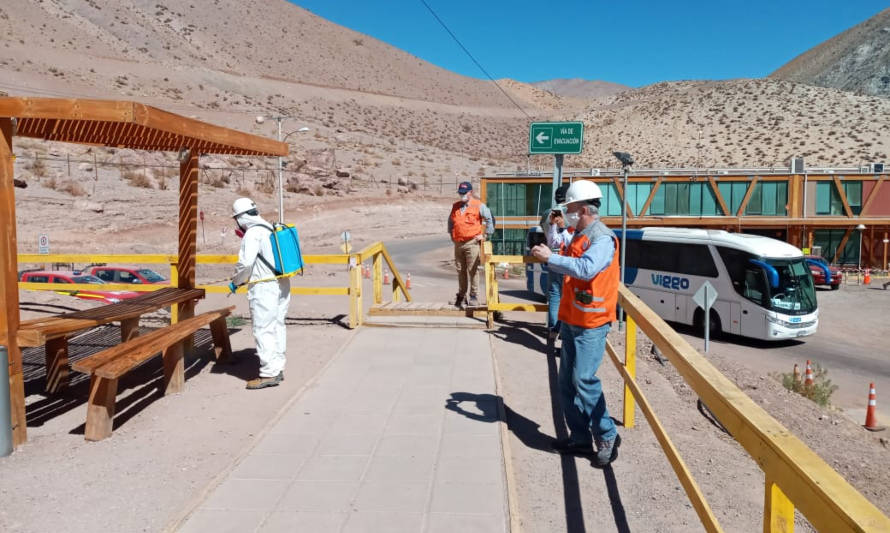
(794, 475)
(377, 252)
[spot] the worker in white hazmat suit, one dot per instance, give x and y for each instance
(268, 297)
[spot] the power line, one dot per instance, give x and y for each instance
(464, 48)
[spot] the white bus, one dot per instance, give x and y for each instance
(764, 286)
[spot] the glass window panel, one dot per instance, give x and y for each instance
(613, 202)
(769, 198)
(695, 193)
(823, 197)
(708, 200)
(755, 204)
(739, 189)
(657, 205)
(781, 198)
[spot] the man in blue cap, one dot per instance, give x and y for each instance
(465, 225)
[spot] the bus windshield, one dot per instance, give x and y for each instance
(795, 294)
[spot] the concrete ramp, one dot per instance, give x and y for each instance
(398, 433)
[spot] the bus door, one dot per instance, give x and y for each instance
(753, 314)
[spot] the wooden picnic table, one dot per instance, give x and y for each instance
(53, 331)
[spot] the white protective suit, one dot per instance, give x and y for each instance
(268, 300)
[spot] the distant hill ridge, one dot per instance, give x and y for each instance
(857, 60)
(580, 88)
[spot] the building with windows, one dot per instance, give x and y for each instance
(838, 213)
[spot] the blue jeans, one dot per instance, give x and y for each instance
(554, 293)
(581, 392)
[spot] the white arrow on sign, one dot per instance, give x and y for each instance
(541, 137)
(705, 296)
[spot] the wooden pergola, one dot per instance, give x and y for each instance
(114, 124)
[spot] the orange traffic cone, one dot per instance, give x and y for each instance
(808, 377)
(507, 272)
(867, 276)
(386, 277)
(871, 418)
(408, 281)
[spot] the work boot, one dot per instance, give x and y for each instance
(607, 451)
(459, 301)
(262, 383)
(473, 301)
(569, 446)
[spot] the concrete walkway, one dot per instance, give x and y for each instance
(399, 433)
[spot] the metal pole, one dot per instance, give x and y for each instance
(707, 320)
(623, 240)
(557, 178)
(5, 413)
(280, 182)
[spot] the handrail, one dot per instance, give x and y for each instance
(794, 474)
(376, 251)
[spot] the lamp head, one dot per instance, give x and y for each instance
(260, 119)
(625, 158)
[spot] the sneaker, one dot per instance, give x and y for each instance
(459, 301)
(570, 446)
(607, 451)
(262, 383)
(473, 301)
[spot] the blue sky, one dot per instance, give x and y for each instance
(631, 42)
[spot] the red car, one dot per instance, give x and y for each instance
(66, 276)
(818, 266)
(126, 274)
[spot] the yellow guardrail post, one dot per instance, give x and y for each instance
(778, 511)
(378, 278)
(630, 363)
(174, 281)
(490, 290)
(355, 295)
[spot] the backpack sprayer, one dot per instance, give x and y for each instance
(287, 259)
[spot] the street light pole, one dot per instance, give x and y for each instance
(626, 161)
(280, 179)
(861, 228)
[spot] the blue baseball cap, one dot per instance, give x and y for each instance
(464, 187)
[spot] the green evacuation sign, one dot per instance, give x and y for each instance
(555, 137)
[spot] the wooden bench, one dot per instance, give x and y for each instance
(54, 331)
(107, 366)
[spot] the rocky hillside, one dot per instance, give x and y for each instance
(579, 88)
(857, 60)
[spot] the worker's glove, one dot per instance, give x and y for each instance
(232, 287)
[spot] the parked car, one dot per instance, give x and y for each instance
(126, 274)
(818, 266)
(67, 276)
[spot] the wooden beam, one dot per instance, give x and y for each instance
(9, 290)
(718, 196)
(841, 246)
(840, 190)
(620, 189)
(747, 197)
(872, 196)
(651, 196)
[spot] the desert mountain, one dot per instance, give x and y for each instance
(579, 88)
(857, 60)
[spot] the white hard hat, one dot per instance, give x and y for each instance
(582, 190)
(241, 206)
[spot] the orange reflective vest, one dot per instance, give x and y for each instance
(590, 304)
(466, 225)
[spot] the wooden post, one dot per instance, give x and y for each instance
(884, 264)
(174, 368)
(778, 511)
(630, 363)
(9, 289)
(100, 408)
(378, 278)
(129, 329)
(222, 347)
(355, 296)
(188, 238)
(56, 365)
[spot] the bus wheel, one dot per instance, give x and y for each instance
(714, 324)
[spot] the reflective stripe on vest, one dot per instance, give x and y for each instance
(466, 225)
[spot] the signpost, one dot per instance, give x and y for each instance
(557, 138)
(43, 244)
(346, 246)
(705, 297)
